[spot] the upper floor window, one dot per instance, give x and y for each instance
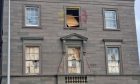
(113, 59)
(31, 60)
(72, 17)
(31, 16)
(110, 19)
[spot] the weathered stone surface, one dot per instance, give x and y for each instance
(52, 29)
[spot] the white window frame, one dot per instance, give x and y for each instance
(38, 17)
(119, 60)
(115, 20)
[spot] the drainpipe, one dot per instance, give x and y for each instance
(9, 43)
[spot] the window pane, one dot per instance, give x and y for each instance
(111, 24)
(74, 67)
(34, 56)
(110, 14)
(113, 60)
(32, 16)
(113, 70)
(72, 17)
(32, 53)
(74, 64)
(32, 67)
(27, 50)
(110, 20)
(113, 53)
(74, 53)
(34, 50)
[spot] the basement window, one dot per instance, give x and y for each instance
(72, 17)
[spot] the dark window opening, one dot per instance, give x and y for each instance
(72, 17)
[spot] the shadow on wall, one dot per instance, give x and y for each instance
(1, 12)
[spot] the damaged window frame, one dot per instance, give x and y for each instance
(78, 8)
(33, 60)
(74, 60)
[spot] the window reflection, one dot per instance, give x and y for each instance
(113, 60)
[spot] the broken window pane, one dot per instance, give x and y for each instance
(72, 17)
(32, 67)
(113, 60)
(32, 60)
(74, 64)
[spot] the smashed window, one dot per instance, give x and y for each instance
(72, 17)
(32, 60)
(113, 60)
(74, 63)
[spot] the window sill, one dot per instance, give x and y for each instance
(76, 28)
(111, 74)
(26, 74)
(32, 27)
(112, 30)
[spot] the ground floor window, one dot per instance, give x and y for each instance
(74, 62)
(32, 59)
(113, 60)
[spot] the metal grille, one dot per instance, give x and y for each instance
(76, 79)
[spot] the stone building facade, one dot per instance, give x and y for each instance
(71, 42)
